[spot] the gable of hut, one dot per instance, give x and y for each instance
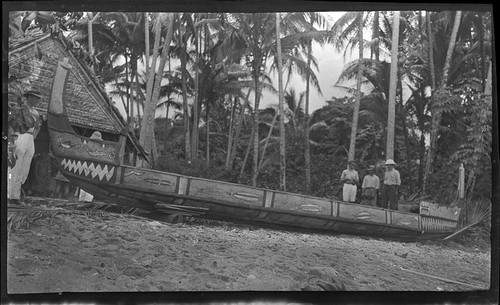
(34, 61)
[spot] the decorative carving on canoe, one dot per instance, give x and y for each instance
(309, 208)
(213, 191)
(157, 181)
(102, 172)
(424, 208)
(228, 193)
(95, 149)
(434, 209)
(364, 215)
(437, 224)
(407, 222)
(67, 144)
(246, 196)
(129, 172)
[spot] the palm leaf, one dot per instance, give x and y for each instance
(477, 211)
(23, 216)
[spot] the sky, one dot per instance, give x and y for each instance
(330, 65)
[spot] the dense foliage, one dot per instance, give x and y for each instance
(218, 65)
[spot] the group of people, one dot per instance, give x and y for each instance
(371, 185)
(24, 123)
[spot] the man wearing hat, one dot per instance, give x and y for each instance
(350, 179)
(392, 181)
(370, 187)
(26, 127)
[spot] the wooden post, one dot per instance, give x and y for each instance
(122, 143)
(461, 182)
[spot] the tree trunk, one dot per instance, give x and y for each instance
(133, 96)
(266, 143)
(375, 49)
(187, 133)
(256, 128)
(436, 115)
(392, 87)
(281, 107)
(307, 145)
(257, 65)
(146, 41)
(208, 132)
(118, 88)
(355, 114)
(431, 50)
(236, 140)
(230, 134)
(165, 143)
(127, 87)
(405, 135)
(139, 98)
(146, 138)
(482, 50)
(194, 139)
(91, 39)
(149, 107)
(247, 153)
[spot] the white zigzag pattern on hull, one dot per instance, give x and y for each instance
(94, 170)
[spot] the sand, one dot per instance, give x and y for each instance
(112, 252)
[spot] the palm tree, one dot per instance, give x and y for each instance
(146, 137)
(355, 115)
(392, 87)
(310, 20)
(436, 114)
(351, 25)
(256, 32)
(281, 109)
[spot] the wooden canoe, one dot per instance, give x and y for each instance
(96, 166)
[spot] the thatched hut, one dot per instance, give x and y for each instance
(32, 62)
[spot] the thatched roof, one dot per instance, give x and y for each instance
(34, 59)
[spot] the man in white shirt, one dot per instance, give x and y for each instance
(26, 129)
(350, 179)
(370, 187)
(392, 181)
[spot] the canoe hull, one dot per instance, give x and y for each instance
(145, 188)
(96, 166)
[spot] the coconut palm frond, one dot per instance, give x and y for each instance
(95, 213)
(24, 216)
(476, 211)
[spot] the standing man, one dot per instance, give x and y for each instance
(392, 181)
(26, 127)
(350, 179)
(370, 187)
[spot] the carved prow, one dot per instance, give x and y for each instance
(56, 105)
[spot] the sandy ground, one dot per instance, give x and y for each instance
(109, 253)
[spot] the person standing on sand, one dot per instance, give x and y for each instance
(25, 126)
(370, 187)
(350, 179)
(392, 181)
